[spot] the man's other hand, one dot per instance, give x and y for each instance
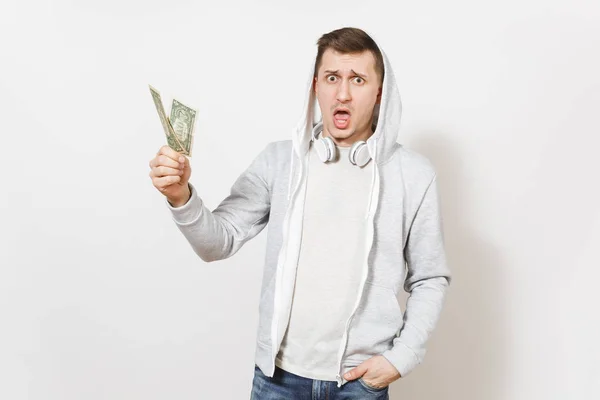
(376, 372)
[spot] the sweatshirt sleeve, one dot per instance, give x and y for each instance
(238, 218)
(427, 280)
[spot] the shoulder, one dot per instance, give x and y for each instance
(277, 152)
(416, 169)
(279, 146)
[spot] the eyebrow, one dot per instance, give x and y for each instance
(329, 71)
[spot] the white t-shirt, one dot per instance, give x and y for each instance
(329, 266)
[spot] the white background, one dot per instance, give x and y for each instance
(101, 297)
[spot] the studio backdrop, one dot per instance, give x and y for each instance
(101, 297)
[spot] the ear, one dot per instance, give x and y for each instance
(379, 91)
(315, 85)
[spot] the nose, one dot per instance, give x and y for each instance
(343, 93)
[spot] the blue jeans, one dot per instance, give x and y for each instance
(287, 386)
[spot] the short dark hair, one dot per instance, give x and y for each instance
(349, 40)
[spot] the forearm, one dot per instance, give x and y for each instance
(204, 231)
(427, 281)
(423, 310)
(219, 234)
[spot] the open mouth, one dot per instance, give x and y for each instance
(341, 119)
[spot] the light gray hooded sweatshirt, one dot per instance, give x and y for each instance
(404, 242)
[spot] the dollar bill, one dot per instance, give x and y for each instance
(172, 139)
(183, 119)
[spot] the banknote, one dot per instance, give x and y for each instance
(172, 139)
(183, 119)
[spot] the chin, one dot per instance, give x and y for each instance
(340, 133)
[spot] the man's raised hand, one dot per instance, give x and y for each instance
(170, 172)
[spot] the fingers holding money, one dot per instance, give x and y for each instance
(168, 157)
(164, 161)
(170, 173)
(172, 154)
(161, 171)
(163, 183)
(163, 177)
(167, 162)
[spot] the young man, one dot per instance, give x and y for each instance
(353, 217)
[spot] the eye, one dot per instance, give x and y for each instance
(359, 80)
(331, 78)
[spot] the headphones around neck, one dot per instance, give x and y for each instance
(327, 150)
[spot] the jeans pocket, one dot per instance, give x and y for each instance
(371, 388)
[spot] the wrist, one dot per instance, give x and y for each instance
(180, 201)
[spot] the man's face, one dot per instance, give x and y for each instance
(347, 88)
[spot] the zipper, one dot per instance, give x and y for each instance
(369, 241)
(282, 257)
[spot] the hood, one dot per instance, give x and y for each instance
(388, 113)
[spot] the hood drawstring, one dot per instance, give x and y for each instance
(289, 191)
(372, 181)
